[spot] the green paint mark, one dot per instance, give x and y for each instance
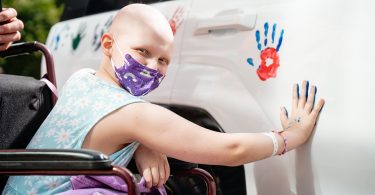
(79, 36)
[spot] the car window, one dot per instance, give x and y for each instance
(74, 9)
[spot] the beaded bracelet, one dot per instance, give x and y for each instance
(285, 142)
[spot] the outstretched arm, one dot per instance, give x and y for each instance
(168, 133)
(163, 131)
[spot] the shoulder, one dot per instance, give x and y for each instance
(82, 73)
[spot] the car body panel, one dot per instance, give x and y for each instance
(329, 43)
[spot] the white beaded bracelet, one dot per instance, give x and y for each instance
(274, 141)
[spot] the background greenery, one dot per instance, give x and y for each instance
(38, 17)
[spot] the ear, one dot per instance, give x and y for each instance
(106, 45)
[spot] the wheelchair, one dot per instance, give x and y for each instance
(24, 104)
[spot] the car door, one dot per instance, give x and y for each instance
(328, 43)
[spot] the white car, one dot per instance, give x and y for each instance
(233, 66)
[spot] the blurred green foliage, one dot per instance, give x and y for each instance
(38, 17)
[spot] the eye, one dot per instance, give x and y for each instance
(163, 61)
(143, 52)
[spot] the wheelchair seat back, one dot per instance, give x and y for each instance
(24, 104)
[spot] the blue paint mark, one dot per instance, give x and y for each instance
(286, 112)
(257, 36)
(280, 40)
(273, 32)
(250, 61)
(265, 33)
(321, 109)
(307, 89)
(316, 90)
(57, 42)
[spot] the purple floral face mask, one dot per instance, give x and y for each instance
(135, 77)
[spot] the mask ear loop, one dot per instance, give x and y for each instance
(126, 62)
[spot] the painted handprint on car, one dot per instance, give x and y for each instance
(99, 30)
(60, 34)
(176, 19)
(269, 56)
(76, 39)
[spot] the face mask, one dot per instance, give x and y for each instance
(135, 77)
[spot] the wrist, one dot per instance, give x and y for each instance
(283, 142)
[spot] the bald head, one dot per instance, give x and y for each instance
(141, 18)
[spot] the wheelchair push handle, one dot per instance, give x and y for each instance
(29, 48)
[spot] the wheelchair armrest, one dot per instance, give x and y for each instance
(62, 162)
(53, 159)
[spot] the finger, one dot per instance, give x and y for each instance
(11, 27)
(155, 175)
(302, 97)
(161, 176)
(7, 14)
(6, 38)
(295, 95)
(179, 23)
(5, 46)
(284, 117)
(310, 99)
(175, 12)
(318, 107)
(148, 177)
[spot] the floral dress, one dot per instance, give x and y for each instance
(85, 100)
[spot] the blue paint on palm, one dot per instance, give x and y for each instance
(265, 33)
(273, 32)
(257, 35)
(250, 61)
(280, 40)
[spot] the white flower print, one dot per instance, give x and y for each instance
(63, 136)
(51, 182)
(98, 106)
(32, 191)
(74, 112)
(119, 96)
(62, 122)
(65, 110)
(51, 132)
(74, 122)
(83, 102)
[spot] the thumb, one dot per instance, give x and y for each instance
(284, 117)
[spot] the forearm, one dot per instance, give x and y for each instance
(257, 146)
(252, 147)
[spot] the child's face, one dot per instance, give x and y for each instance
(149, 45)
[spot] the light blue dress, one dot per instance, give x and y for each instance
(85, 99)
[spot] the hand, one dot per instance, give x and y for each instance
(299, 125)
(153, 166)
(9, 28)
